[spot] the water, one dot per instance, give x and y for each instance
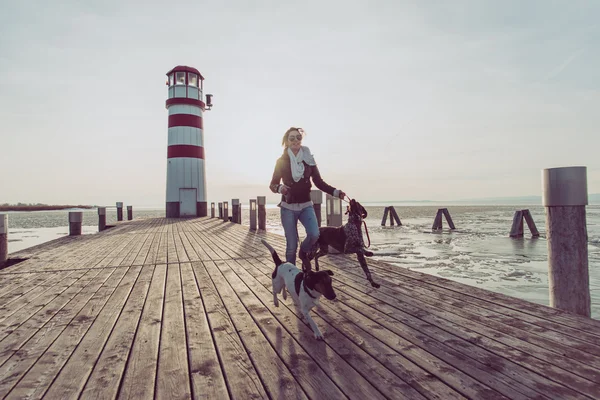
(478, 253)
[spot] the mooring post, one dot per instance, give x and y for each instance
(236, 211)
(252, 214)
(262, 212)
(226, 211)
(437, 222)
(517, 225)
(385, 214)
(448, 218)
(75, 220)
(220, 210)
(565, 197)
(129, 213)
(119, 211)
(530, 223)
(212, 209)
(3, 239)
(333, 211)
(317, 198)
(394, 215)
(101, 219)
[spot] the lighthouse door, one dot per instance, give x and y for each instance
(187, 202)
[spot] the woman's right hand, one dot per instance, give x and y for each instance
(284, 189)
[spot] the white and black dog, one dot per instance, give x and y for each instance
(305, 288)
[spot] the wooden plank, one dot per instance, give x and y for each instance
(198, 248)
(180, 248)
(28, 291)
(275, 376)
(190, 251)
(143, 360)
(205, 369)
(140, 242)
(172, 256)
(37, 380)
(161, 256)
(172, 379)
(356, 375)
(213, 251)
(27, 354)
(563, 346)
(74, 374)
(242, 380)
(410, 363)
(107, 373)
(522, 352)
(144, 253)
(450, 343)
(14, 281)
(27, 314)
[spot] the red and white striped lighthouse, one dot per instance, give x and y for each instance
(186, 178)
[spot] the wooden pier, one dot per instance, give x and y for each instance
(178, 309)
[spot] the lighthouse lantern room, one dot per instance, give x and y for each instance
(186, 177)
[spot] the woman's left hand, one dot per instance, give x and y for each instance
(341, 194)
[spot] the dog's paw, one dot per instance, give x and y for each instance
(375, 285)
(319, 336)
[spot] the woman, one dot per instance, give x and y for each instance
(295, 168)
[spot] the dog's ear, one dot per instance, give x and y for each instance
(329, 272)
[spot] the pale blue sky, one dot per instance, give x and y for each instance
(401, 100)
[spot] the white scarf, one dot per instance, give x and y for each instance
(296, 161)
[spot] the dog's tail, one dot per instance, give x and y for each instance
(275, 256)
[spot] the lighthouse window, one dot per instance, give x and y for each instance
(171, 80)
(192, 79)
(180, 78)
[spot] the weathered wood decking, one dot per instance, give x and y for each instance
(175, 309)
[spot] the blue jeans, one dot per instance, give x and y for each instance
(289, 220)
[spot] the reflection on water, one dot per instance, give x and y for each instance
(479, 252)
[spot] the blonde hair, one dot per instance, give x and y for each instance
(284, 140)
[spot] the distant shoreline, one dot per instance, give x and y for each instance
(41, 208)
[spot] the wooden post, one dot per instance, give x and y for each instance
(3, 239)
(385, 215)
(394, 214)
(565, 197)
(101, 219)
(75, 220)
(235, 210)
(437, 222)
(220, 210)
(262, 212)
(334, 211)
(212, 209)
(448, 218)
(517, 225)
(119, 211)
(226, 211)
(530, 223)
(129, 213)
(252, 214)
(317, 198)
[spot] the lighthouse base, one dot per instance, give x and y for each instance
(173, 210)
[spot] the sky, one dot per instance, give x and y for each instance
(400, 100)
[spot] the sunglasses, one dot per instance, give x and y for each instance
(293, 138)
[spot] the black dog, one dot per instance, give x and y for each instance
(346, 239)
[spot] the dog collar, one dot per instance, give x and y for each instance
(299, 280)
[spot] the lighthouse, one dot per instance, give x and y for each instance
(186, 176)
